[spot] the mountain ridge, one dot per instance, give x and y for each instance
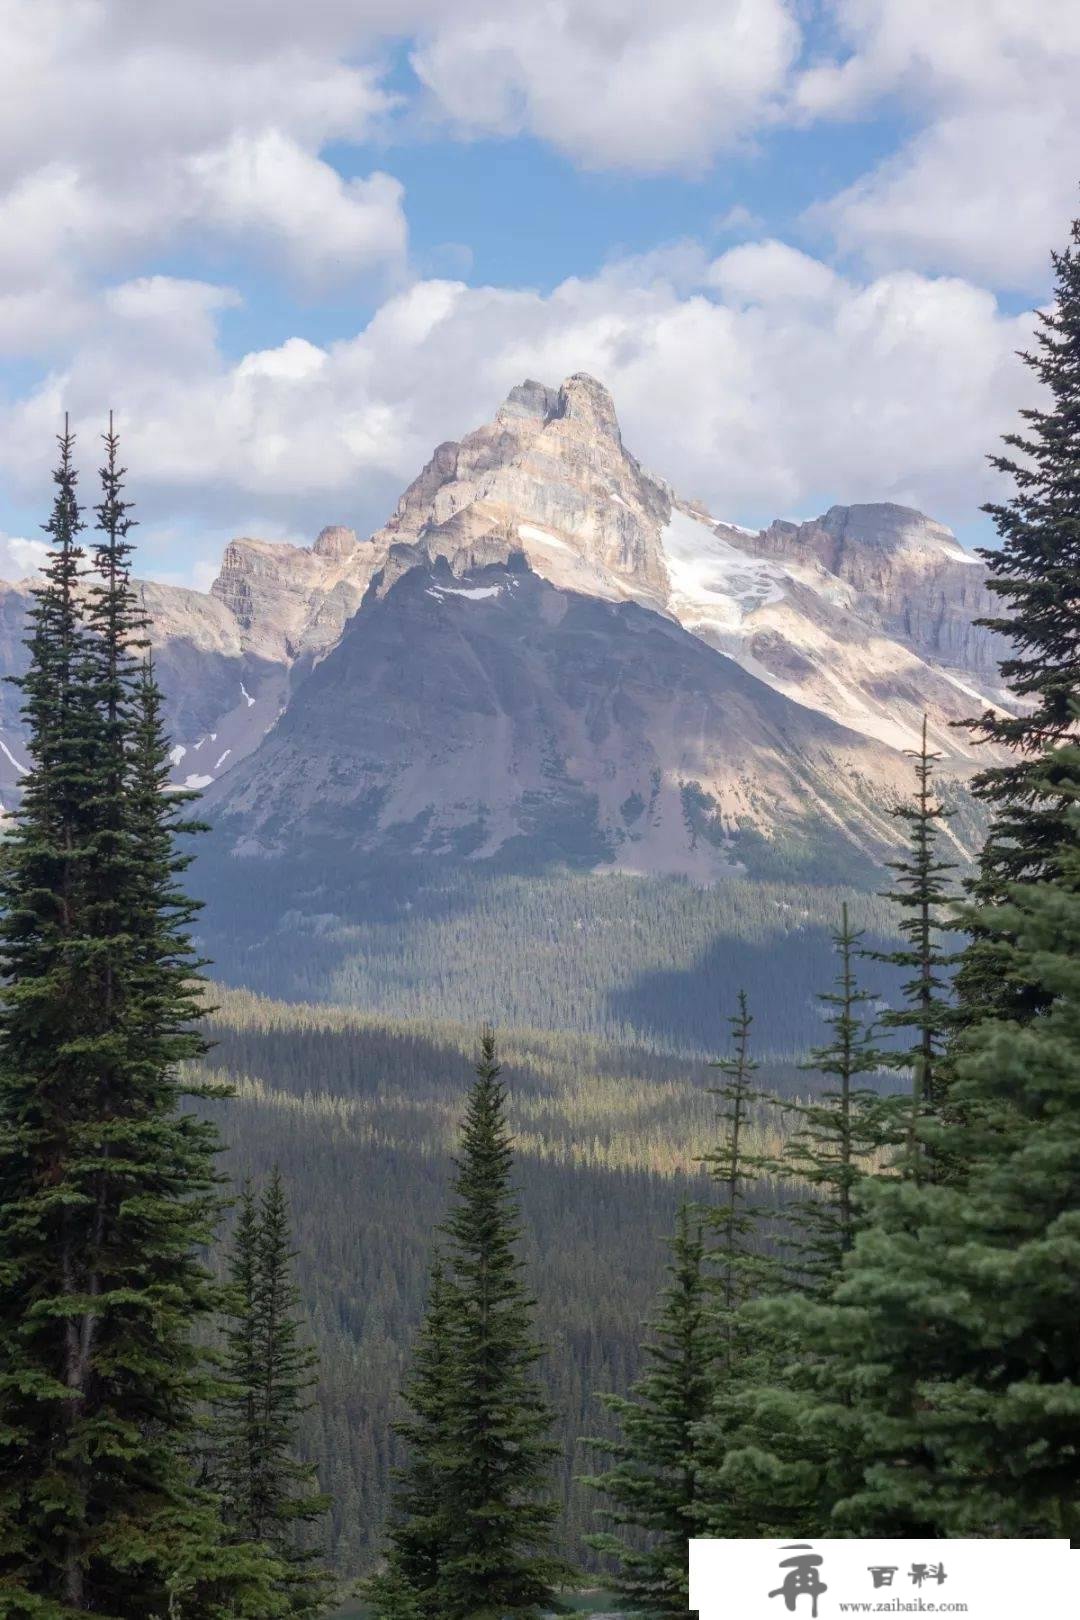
(856, 622)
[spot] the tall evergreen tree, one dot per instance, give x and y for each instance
(777, 1468)
(956, 1317)
(496, 1456)
(107, 1189)
(1036, 573)
(268, 1493)
(653, 1484)
(740, 1267)
(843, 1127)
(422, 1507)
(921, 891)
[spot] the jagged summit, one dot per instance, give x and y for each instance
(335, 542)
(837, 634)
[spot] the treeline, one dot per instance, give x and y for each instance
(363, 1117)
(634, 961)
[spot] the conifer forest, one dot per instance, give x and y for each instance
(440, 1274)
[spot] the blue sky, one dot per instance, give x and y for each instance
(296, 249)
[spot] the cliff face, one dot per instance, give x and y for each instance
(689, 683)
(909, 576)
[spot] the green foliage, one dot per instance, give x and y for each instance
(958, 1310)
(268, 1373)
(482, 1481)
(654, 1478)
(421, 1507)
(767, 1470)
(1036, 572)
(843, 1128)
(923, 895)
(363, 1113)
(632, 960)
(107, 1190)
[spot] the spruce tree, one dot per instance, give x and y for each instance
(1036, 573)
(843, 1127)
(421, 1507)
(496, 1456)
(736, 1254)
(921, 891)
(268, 1494)
(956, 1317)
(107, 1188)
(779, 1461)
(739, 1270)
(654, 1481)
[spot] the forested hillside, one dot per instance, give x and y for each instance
(361, 1114)
(638, 961)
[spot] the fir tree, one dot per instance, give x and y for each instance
(268, 1372)
(495, 1459)
(777, 1469)
(922, 893)
(956, 1318)
(107, 1189)
(741, 1268)
(843, 1127)
(422, 1506)
(739, 1271)
(1036, 574)
(654, 1481)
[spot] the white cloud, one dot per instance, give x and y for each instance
(988, 182)
(614, 83)
(19, 557)
(267, 187)
(761, 381)
(117, 140)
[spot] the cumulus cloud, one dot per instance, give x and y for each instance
(117, 140)
(614, 83)
(987, 183)
(761, 381)
(20, 558)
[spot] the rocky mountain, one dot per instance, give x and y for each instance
(547, 652)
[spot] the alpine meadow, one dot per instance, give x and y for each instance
(540, 1024)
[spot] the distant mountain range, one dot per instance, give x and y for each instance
(546, 650)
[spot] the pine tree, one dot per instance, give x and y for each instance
(268, 1372)
(843, 1127)
(654, 1481)
(957, 1313)
(495, 1459)
(779, 1462)
(923, 895)
(107, 1189)
(422, 1506)
(1036, 573)
(741, 1268)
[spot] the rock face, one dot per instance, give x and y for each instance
(543, 636)
(492, 714)
(909, 575)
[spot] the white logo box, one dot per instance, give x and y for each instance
(822, 1579)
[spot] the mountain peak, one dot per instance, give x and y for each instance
(582, 398)
(887, 527)
(529, 399)
(334, 542)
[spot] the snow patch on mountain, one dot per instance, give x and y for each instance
(475, 593)
(712, 576)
